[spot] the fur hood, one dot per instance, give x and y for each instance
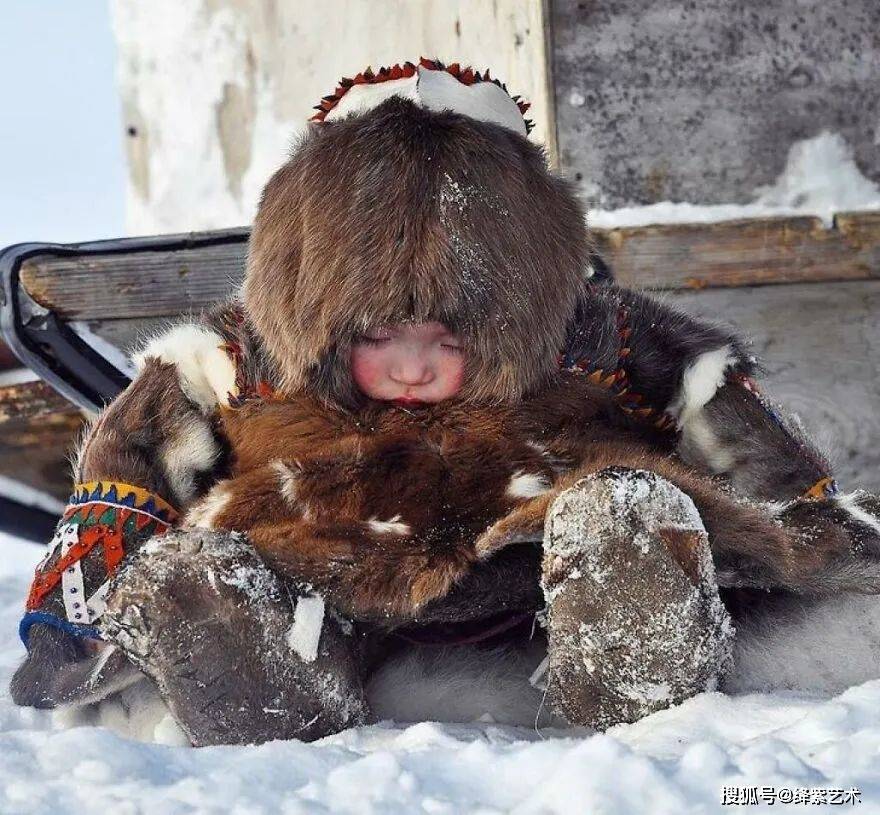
(401, 214)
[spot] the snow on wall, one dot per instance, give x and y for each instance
(820, 178)
(214, 90)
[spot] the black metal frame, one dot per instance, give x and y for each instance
(24, 521)
(40, 338)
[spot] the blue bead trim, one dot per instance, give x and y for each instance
(45, 618)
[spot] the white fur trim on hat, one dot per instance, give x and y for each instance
(436, 90)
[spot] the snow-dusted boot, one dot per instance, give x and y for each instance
(635, 621)
(236, 655)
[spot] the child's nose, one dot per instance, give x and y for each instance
(410, 370)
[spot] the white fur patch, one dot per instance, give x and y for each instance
(699, 444)
(203, 513)
(207, 374)
(527, 485)
(190, 450)
(393, 526)
(305, 633)
(848, 502)
(136, 712)
(701, 380)
(287, 479)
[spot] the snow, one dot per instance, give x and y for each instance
(820, 178)
(305, 633)
(201, 150)
(678, 760)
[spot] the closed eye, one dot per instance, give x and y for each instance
(364, 340)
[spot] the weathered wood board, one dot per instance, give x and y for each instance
(134, 284)
(31, 400)
(130, 334)
(37, 453)
(745, 252)
(143, 285)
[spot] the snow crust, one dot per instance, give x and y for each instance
(674, 761)
(820, 178)
(308, 619)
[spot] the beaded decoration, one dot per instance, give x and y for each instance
(108, 514)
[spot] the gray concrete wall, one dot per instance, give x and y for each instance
(700, 101)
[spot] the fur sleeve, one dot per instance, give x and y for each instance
(671, 360)
(160, 433)
(700, 376)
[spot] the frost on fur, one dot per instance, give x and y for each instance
(206, 372)
(850, 503)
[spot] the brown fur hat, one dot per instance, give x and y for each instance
(402, 213)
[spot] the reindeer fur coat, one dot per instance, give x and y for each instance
(408, 214)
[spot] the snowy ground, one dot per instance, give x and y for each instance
(676, 761)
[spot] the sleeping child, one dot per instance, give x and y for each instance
(420, 377)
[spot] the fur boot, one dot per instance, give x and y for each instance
(190, 600)
(635, 621)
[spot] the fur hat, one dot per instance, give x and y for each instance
(405, 213)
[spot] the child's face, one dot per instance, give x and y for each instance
(408, 363)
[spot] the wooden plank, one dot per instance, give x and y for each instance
(821, 348)
(36, 452)
(745, 252)
(156, 284)
(31, 400)
(128, 334)
(134, 284)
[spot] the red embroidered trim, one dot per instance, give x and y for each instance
(617, 380)
(467, 76)
(110, 537)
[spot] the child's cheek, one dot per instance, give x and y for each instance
(367, 370)
(454, 375)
